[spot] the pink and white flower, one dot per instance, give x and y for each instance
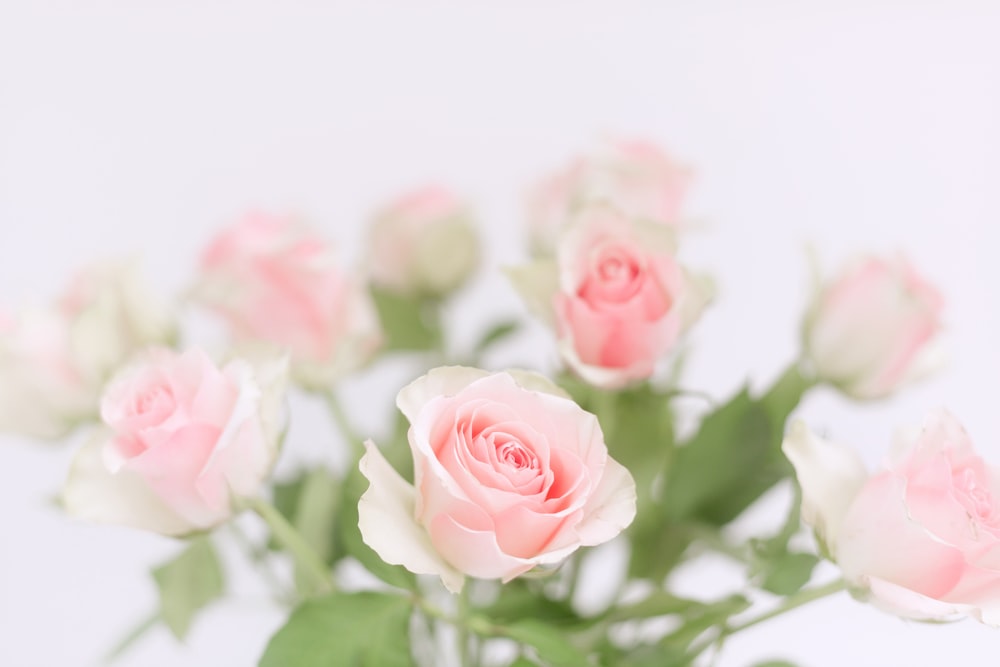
(635, 176)
(615, 295)
(874, 328)
(423, 242)
(921, 538)
(274, 279)
(509, 474)
(182, 438)
(54, 361)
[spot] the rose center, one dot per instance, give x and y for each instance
(614, 275)
(150, 399)
(976, 497)
(512, 453)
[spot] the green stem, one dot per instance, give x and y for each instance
(134, 635)
(462, 637)
(475, 624)
(290, 538)
(794, 601)
(340, 418)
(574, 563)
(791, 602)
(258, 556)
(605, 407)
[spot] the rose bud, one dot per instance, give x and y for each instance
(275, 280)
(55, 361)
(636, 177)
(423, 243)
(615, 295)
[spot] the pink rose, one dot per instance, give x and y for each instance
(274, 279)
(424, 242)
(54, 361)
(634, 176)
(509, 474)
(183, 437)
(921, 537)
(615, 295)
(873, 329)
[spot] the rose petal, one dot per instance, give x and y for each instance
(904, 602)
(94, 493)
(387, 524)
(442, 381)
(878, 538)
(611, 506)
(830, 476)
(477, 553)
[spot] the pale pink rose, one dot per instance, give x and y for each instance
(874, 328)
(276, 280)
(54, 361)
(509, 474)
(183, 438)
(615, 294)
(424, 242)
(922, 536)
(635, 176)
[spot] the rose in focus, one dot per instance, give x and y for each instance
(874, 328)
(922, 537)
(182, 438)
(636, 177)
(509, 474)
(423, 243)
(615, 295)
(55, 360)
(274, 279)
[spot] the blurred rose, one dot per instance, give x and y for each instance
(54, 361)
(873, 328)
(183, 438)
(509, 474)
(615, 295)
(921, 537)
(636, 177)
(275, 280)
(423, 242)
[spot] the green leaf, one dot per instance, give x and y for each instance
(187, 584)
(344, 630)
(731, 444)
(315, 518)
(309, 503)
(517, 601)
(349, 536)
(788, 573)
(495, 334)
(551, 643)
(660, 603)
(410, 323)
(524, 662)
(285, 498)
(735, 456)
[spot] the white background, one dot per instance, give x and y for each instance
(850, 125)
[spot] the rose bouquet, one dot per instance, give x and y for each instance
(462, 533)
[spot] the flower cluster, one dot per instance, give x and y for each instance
(502, 476)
